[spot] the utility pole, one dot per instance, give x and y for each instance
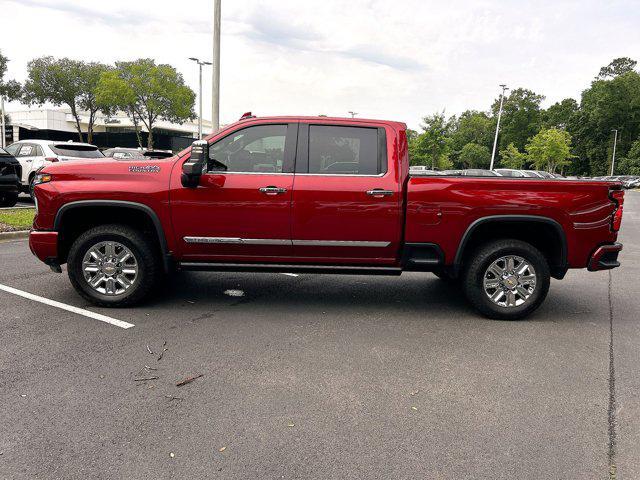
(613, 157)
(353, 114)
(200, 64)
(215, 79)
(3, 125)
(495, 140)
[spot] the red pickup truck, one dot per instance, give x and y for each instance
(317, 195)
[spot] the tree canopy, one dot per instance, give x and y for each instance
(550, 149)
(147, 93)
(8, 88)
(65, 82)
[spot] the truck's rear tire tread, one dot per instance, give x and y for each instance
(149, 265)
(483, 256)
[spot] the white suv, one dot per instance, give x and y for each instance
(34, 154)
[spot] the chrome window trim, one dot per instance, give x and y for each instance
(275, 241)
(224, 172)
(379, 175)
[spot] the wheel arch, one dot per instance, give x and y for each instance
(519, 227)
(75, 209)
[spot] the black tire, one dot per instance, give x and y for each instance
(31, 187)
(143, 250)
(8, 199)
(482, 259)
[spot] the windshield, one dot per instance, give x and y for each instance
(77, 151)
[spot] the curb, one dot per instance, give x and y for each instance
(14, 235)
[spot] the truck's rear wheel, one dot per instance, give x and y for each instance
(506, 279)
(113, 265)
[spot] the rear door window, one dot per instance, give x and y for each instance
(337, 150)
(27, 151)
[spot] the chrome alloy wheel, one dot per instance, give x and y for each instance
(110, 268)
(509, 281)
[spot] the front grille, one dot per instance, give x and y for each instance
(8, 170)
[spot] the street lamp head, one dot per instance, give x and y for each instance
(193, 58)
(207, 63)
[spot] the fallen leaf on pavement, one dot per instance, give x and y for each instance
(222, 449)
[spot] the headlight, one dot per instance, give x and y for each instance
(42, 178)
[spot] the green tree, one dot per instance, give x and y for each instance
(521, 117)
(511, 157)
(618, 66)
(473, 155)
(65, 82)
(147, 93)
(630, 165)
(471, 127)
(10, 88)
(559, 114)
(431, 147)
(550, 149)
(606, 105)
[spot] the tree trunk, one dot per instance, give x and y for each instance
(75, 115)
(136, 126)
(92, 116)
(150, 137)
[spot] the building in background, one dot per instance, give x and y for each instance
(113, 131)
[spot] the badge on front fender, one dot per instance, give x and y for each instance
(144, 168)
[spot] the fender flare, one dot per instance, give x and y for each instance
(561, 268)
(162, 240)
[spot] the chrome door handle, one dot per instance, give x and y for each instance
(270, 190)
(379, 192)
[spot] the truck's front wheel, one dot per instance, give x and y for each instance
(506, 279)
(113, 265)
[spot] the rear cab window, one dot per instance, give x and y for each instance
(341, 150)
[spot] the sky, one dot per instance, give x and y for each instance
(396, 60)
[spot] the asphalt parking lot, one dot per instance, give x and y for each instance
(315, 376)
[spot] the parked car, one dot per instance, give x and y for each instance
(510, 172)
(264, 194)
(10, 171)
(121, 153)
(35, 154)
(478, 172)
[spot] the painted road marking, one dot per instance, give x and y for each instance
(290, 274)
(68, 308)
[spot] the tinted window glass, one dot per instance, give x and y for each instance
(258, 149)
(13, 149)
(77, 151)
(343, 150)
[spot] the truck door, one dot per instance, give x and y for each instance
(241, 210)
(346, 196)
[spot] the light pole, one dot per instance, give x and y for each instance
(200, 64)
(2, 121)
(353, 114)
(215, 79)
(495, 140)
(613, 157)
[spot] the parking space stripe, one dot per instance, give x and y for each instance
(68, 308)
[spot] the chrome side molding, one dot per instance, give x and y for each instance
(299, 243)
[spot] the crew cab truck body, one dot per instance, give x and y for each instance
(317, 194)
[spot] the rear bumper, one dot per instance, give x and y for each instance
(44, 245)
(605, 257)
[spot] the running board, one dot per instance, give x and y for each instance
(286, 268)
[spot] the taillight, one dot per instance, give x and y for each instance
(51, 159)
(618, 198)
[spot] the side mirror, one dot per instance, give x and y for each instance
(193, 168)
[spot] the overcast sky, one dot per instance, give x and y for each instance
(396, 60)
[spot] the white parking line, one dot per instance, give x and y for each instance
(69, 308)
(290, 274)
